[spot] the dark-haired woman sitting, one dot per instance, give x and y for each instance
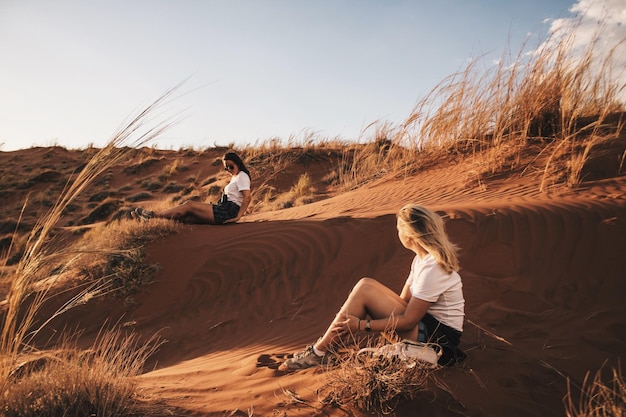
(230, 209)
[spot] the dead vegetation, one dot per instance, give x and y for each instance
(70, 381)
(557, 101)
(67, 380)
(376, 384)
(601, 395)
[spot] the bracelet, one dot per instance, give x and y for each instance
(358, 326)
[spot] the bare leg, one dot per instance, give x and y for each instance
(368, 298)
(200, 213)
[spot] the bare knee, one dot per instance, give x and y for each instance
(189, 204)
(367, 281)
(365, 284)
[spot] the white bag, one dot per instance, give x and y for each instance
(409, 351)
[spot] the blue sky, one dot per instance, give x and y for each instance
(72, 71)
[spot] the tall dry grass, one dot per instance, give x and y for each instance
(270, 159)
(31, 285)
(598, 397)
(555, 94)
(72, 382)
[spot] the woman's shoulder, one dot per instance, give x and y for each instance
(427, 259)
(430, 263)
(243, 179)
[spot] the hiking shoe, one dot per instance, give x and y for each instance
(141, 214)
(303, 360)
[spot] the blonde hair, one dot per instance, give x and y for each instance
(428, 229)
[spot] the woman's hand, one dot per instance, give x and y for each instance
(345, 324)
(247, 197)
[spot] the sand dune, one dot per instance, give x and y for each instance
(543, 278)
(545, 275)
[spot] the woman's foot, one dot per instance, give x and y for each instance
(141, 214)
(303, 360)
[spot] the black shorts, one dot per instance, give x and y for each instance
(432, 330)
(224, 210)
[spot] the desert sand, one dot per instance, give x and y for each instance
(544, 277)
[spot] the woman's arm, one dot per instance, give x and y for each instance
(247, 197)
(406, 293)
(414, 312)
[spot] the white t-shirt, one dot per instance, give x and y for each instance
(234, 188)
(429, 282)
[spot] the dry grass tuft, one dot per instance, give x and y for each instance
(375, 383)
(301, 193)
(271, 159)
(72, 382)
(303, 188)
(112, 257)
(557, 95)
(380, 157)
(598, 398)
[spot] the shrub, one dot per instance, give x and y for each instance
(139, 197)
(141, 166)
(102, 212)
(101, 196)
(172, 188)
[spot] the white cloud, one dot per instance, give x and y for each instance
(601, 23)
(610, 11)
